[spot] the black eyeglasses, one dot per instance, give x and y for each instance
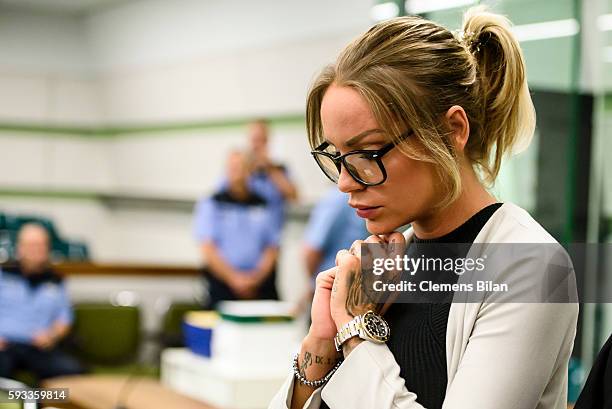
(365, 166)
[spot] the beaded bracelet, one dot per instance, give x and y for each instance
(316, 383)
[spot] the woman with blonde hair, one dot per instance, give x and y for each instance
(413, 122)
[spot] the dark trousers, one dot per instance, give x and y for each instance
(44, 363)
(219, 291)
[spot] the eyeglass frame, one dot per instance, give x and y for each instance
(376, 154)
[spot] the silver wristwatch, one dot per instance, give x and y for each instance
(369, 326)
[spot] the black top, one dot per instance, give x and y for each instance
(467, 232)
(418, 331)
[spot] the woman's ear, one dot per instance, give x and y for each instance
(459, 126)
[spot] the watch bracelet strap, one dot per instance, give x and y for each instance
(349, 330)
(315, 383)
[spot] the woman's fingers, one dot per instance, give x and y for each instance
(341, 300)
(325, 278)
(348, 265)
(374, 239)
(395, 237)
(346, 260)
(355, 249)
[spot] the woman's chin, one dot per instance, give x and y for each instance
(379, 227)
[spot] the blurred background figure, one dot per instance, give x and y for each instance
(238, 238)
(269, 179)
(333, 225)
(35, 312)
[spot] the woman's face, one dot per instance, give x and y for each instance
(408, 194)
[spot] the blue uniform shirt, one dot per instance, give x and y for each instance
(27, 308)
(241, 230)
(333, 226)
(275, 200)
(260, 184)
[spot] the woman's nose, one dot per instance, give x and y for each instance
(346, 183)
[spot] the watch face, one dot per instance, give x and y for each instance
(376, 327)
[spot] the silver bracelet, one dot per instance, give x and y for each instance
(316, 383)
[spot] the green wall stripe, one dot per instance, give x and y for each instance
(140, 129)
(48, 129)
(49, 194)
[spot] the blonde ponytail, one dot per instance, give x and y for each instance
(508, 120)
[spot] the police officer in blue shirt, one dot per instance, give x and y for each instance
(268, 179)
(35, 312)
(333, 226)
(238, 238)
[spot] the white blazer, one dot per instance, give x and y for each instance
(498, 355)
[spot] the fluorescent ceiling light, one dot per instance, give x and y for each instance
(426, 6)
(384, 11)
(548, 29)
(604, 22)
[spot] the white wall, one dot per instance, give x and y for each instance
(156, 61)
(56, 162)
(233, 83)
(46, 69)
(191, 59)
(150, 33)
(44, 43)
(189, 163)
(48, 98)
(149, 63)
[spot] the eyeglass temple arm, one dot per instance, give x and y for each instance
(324, 145)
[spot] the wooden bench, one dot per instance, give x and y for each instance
(103, 392)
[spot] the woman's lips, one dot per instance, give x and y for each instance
(367, 212)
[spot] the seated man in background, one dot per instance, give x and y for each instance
(238, 239)
(35, 312)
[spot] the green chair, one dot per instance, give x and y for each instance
(172, 323)
(107, 339)
(107, 335)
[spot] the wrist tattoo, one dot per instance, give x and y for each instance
(357, 300)
(354, 290)
(318, 360)
(305, 363)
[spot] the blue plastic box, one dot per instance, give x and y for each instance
(198, 329)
